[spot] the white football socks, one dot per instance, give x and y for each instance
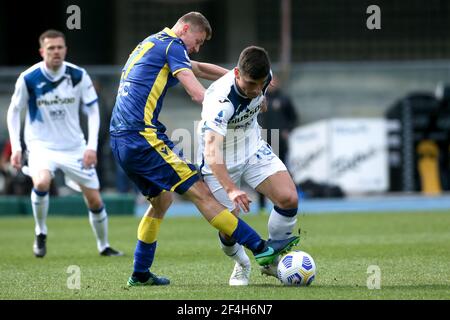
(280, 226)
(236, 252)
(39, 204)
(99, 224)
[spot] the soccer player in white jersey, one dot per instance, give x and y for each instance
(52, 91)
(231, 150)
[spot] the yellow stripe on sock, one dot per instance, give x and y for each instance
(225, 222)
(148, 229)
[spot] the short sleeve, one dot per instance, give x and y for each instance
(177, 58)
(216, 114)
(20, 96)
(88, 93)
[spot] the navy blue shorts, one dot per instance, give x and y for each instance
(150, 161)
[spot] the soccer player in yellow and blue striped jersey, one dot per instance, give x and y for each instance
(147, 155)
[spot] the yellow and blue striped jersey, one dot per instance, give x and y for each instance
(148, 73)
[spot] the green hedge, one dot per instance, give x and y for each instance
(116, 204)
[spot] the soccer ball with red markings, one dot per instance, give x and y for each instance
(296, 268)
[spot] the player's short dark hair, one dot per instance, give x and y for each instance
(196, 19)
(254, 62)
(51, 34)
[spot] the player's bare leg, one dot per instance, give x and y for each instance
(39, 204)
(98, 219)
(159, 205)
(202, 197)
(223, 220)
(280, 189)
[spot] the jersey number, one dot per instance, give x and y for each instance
(135, 56)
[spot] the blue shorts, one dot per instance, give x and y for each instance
(150, 161)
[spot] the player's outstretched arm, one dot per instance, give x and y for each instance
(214, 159)
(207, 71)
(191, 84)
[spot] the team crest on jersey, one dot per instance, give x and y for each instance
(219, 118)
(164, 150)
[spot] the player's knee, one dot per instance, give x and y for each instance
(166, 204)
(42, 185)
(201, 193)
(94, 201)
(288, 200)
(95, 205)
(162, 203)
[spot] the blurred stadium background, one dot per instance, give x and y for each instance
(332, 66)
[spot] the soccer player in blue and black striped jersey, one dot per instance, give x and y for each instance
(148, 157)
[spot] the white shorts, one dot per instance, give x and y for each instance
(68, 161)
(254, 171)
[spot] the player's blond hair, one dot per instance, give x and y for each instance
(198, 21)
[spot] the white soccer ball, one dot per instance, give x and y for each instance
(296, 268)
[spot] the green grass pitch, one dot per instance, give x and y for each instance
(412, 251)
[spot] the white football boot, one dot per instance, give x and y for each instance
(240, 275)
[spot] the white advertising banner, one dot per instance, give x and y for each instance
(358, 155)
(307, 157)
(350, 153)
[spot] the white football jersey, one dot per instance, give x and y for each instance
(52, 118)
(234, 116)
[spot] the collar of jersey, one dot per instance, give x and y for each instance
(49, 76)
(170, 32)
(235, 87)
